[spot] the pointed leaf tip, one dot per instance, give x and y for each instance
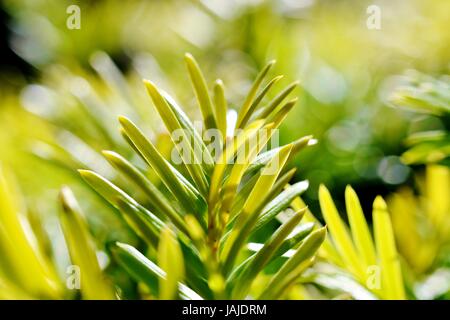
(123, 120)
(151, 88)
(277, 78)
(84, 172)
(67, 199)
(323, 189)
(322, 232)
(109, 154)
(379, 204)
(349, 191)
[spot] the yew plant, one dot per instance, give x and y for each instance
(209, 206)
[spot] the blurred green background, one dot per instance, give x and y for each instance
(346, 71)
